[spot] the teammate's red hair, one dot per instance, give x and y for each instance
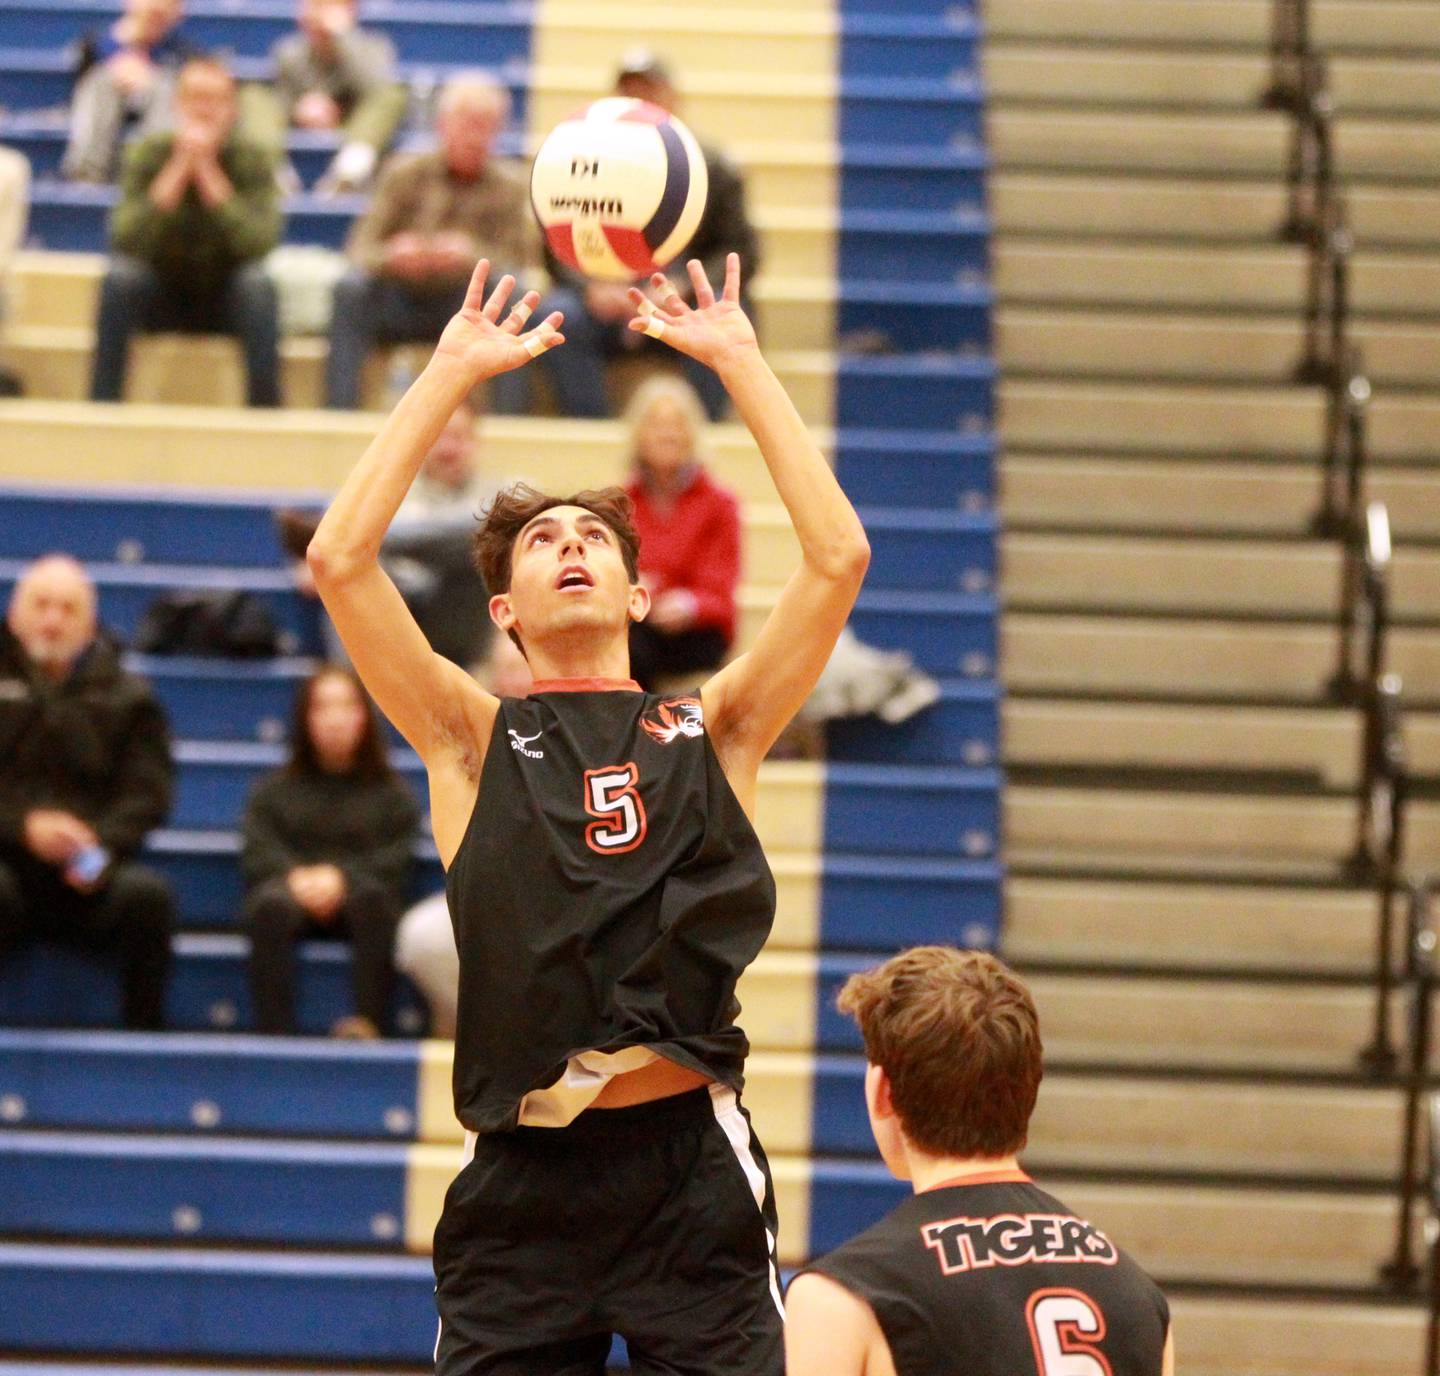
(958, 1036)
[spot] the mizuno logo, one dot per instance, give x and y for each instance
(522, 743)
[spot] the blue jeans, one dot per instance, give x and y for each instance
(135, 297)
(577, 369)
(370, 309)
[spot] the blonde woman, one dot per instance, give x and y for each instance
(689, 528)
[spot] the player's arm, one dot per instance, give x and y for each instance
(750, 701)
(828, 1330)
(1167, 1363)
(431, 701)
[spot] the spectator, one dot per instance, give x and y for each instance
(198, 210)
(326, 853)
(414, 249)
(125, 86)
(428, 551)
(14, 214)
(85, 772)
(596, 313)
(689, 529)
(425, 944)
(331, 76)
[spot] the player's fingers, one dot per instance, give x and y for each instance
(499, 297)
(704, 292)
(666, 293)
(475, 293)
(543, 338)
(521, 312)
(732, 277)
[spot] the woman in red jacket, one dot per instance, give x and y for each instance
(689, 528)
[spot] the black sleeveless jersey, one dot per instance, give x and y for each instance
(994, 1277)
(608, 893)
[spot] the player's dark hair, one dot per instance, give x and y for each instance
(370, 759)
(515, 507)
(958, 1036)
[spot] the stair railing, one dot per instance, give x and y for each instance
(1401, 1271)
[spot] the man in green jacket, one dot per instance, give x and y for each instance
(198, 210)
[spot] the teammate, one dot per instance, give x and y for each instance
(605, 881)
(980, 1271)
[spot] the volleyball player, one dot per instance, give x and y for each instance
(979, 1272)
(605, 881)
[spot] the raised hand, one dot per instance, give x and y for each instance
(711, 331)
(476, 337)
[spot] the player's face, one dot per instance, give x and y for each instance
(567, 578)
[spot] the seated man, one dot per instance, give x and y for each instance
(428, 549)
(85, 772)
(125, 86)
(198, 210)
(980, 1271)
(432, 216)
(331, 75)
(596, 312)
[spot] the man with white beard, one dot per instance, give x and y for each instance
(85, 772)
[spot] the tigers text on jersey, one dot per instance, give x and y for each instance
(991, 1276)
(608, 893)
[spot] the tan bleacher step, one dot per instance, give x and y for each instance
(1322, 743)
(795, 301)
(312, 451)
(1201, 657)
(1213, 1024)
(1205, 576)
(1149, 924)
(1229, 1336)
(1253, 1235)
(1226, 421)
(1205, 497)
(1193, 347)
(1339, 25)
(1080, 76)
(1203, 277)
(717, 37)
(1113, 1123)
(1249, 144)
(723, 107)
(1199, 208)
(1254, 826)
(206, 370)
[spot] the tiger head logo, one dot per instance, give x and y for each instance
(675, 718)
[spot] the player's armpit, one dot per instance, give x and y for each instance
(830, 1332)
(433, 703)
(1167, 1364)
(754, 697)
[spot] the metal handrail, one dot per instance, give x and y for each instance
(1364, 628)
(1401, 1271)
(1432, 1328)
(1384, 793)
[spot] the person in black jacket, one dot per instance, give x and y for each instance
(327, 844)
(85, 772)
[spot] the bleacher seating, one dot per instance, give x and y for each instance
(233, 1200)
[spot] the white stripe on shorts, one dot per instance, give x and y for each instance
(737, 1131)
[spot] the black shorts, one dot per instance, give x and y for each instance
(655, 1222)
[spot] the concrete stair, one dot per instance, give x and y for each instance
(1181, 807)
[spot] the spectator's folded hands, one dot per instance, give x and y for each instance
(54, 836)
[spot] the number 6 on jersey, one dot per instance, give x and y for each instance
(612, 796)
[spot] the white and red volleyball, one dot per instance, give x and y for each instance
(619, 189)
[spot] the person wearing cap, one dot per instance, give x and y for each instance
(596, 312)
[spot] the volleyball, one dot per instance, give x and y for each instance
(619, 189)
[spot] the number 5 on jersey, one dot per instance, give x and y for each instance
(612, 796)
